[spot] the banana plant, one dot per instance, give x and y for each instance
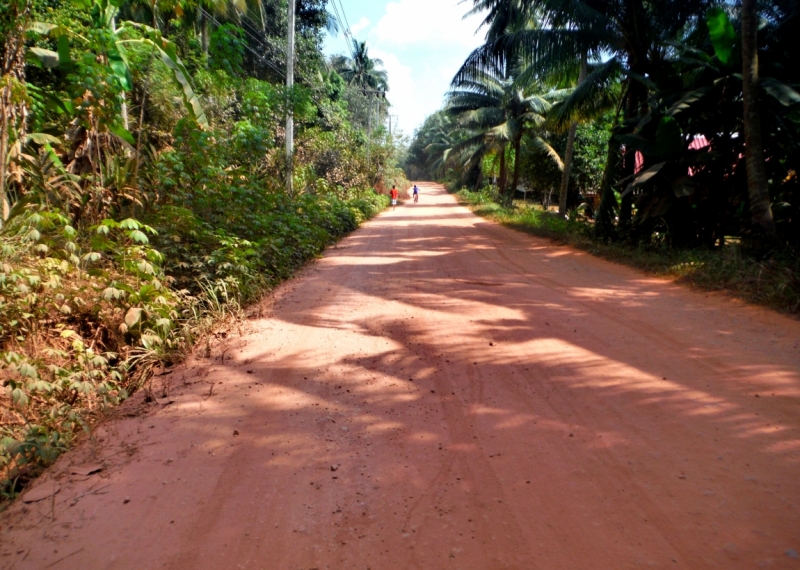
(104, 13)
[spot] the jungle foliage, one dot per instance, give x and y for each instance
(143, 192)
(652, 95)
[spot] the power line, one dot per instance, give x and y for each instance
(271, 65)
(344, 15)
(266, 23)
(254, 33)
(247, 47)
(345, 28)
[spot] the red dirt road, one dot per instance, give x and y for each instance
(441, 392)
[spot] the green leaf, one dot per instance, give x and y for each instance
(40, 386)
(110, 293)
(683, 187)
(64, 59)
(669, 138)
(138, 236)
(133, 316)
(130, 224)
(19, 397)
(169, 56)
(41, 28)
(150, 340)
(783, 93)
(122, 133)
(26, 369)
(119, 65)
(48, 58)
(723, 36)
(42, 138)
(644, 178)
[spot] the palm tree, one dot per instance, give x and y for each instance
(634, 33)
(757, 188)
(499, 112)
(568, 151)
(361, 70)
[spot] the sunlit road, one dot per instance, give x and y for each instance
(441, 392)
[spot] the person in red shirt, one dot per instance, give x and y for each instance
(394, 194)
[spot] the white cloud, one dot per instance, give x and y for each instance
(403, 91)
(427, 22)
(362, 24)
(422, 44)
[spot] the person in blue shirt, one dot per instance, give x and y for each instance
(416, 193)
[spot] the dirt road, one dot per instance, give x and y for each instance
(441, 392)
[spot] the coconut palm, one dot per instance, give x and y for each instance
(498, 112)
(758, 189)
(361, 70)
(631, 37)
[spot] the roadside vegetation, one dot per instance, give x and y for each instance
(143, 189)
(663, 134)
(771, 281)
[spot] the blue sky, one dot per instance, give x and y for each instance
(422, 44)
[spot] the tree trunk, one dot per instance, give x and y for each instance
(123, 99)
(501, 183)
(515, 183)
(204, 34)
(604, 220)
(13, 110)
(573, 131)
(5, 203)
(154, 8)
(564, 188)
(626, 202)
(480, 178)
(757, 187)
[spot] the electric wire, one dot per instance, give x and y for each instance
(345, 29)
(314, 95)
(247, 47)
(262, 40)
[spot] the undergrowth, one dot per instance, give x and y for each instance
(772, 282)
(87, 313)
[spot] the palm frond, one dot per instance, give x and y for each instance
(543, 146)
(590, 97)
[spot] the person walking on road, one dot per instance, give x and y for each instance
(416, 194)
(394, 194)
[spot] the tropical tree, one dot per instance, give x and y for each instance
(631, 35)
(757, 187)
(499, 111)
(14, 18)
(361, 70)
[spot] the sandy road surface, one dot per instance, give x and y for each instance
(441, 392)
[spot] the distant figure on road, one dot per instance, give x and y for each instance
(394, 194)
(416, 194)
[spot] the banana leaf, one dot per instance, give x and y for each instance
(168, 54)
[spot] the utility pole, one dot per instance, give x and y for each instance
(289, 110)
(369, 127)
(368, 93)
